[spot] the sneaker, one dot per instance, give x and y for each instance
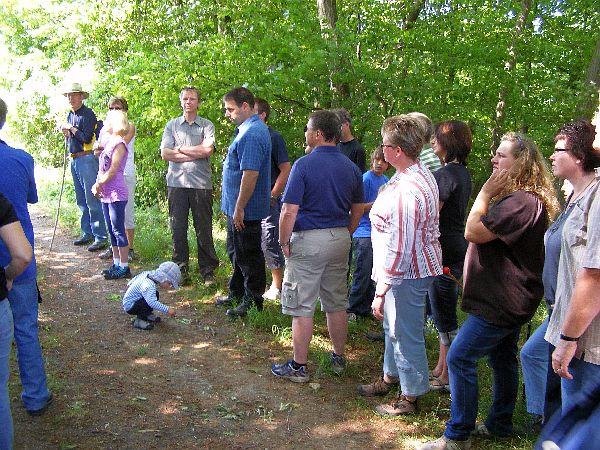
(338, 363)
(286, 371)
(42, 410)
(222, 300)
(106, 254)
(272, 294)
(83, 240)
(142, 324)
(481, 430)
(97, 245)
(110, 269)
(352, 317)
(444, 443)
(400, 406)
(209, 279)
(117, 273)
(131, 256)
(379, 387)
(153, 318)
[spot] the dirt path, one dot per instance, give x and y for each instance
(190, 383)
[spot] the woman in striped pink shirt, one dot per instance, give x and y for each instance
(406, 258)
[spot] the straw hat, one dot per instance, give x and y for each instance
(76, 87)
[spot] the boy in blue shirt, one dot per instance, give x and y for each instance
(363, 288)
(141, 297)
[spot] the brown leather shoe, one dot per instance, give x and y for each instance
(398, 407)
(379, 387)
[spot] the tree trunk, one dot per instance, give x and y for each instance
(591, 84)
(509, 66)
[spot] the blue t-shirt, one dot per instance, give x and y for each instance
(279, 154)
(85, 121)
(250, 150)
(324, 184)
(371, 185)
(17, 183)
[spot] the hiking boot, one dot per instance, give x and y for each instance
(152, 318)
(83, 240)
(400, 406)
(379, 387)
(106, 254)
(97, 245)
(272, 294)
(444, 443)
(117, 273)
(142, 324)
(110, 269)
(42, 410)
(338, 363)
(286, 371)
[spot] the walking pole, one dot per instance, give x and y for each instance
(62, 187)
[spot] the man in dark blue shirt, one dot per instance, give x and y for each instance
(79, 131)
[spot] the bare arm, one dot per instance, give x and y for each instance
(583, 309)
(367, 207)
(174, 155)
(356, 212)
(247, 186)
(287, 219)
(475, 230)
(281, 180)
(130, 134)
(19, 248)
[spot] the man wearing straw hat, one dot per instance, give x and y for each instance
(79, 131)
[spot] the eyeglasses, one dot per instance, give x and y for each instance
(556, 150)
(382, 145)
(113, 108)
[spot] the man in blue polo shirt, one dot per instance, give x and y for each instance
(322, 205)
(246, 191)
(17, 184)
(79, 131)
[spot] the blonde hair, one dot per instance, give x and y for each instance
(116, 120)
(530, 173)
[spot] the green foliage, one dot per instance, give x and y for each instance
(448, 63)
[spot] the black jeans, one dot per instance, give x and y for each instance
(249, 277)
(200, 201)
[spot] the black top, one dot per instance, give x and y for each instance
(454, 184)
(355, 151)
(7, 216)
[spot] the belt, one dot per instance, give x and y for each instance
(80, 154)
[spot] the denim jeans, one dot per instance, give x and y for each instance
(586, 377)
(84, 171)
(200, 201)
(362, 290)
(23, 300)
(443, 297)
(249, 278)
(478, 338)
(6, 335)
(404, 316)
(270, 238)
(534, 364)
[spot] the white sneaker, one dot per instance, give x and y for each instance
(271, 294)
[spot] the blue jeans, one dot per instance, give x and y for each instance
(84, 171)
(478, 338)
(23, 300)
(249, 278)
(586, 377)
(363, 288)
(6, 335)
(534, 364)
(443, 297)
(404, 316)
(270, 238)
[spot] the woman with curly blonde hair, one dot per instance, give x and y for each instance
(502, 287)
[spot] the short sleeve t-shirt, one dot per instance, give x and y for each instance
(503, 277)
(371, 185)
